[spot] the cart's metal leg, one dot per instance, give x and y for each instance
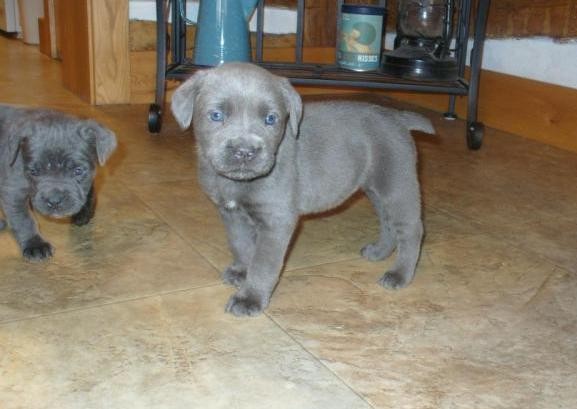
(259, 30)
(182, 31)
(474, 128)
(300, 28)
(476, 58)
(462, 39)
(339, 28)
(461, 45)
(160, 52)
(155, 110)
(178, 31)
(451, 115)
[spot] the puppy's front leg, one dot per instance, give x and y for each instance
(241, 234)
(34, 247)
(273, 238)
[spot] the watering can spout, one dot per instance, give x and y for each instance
(248, 7)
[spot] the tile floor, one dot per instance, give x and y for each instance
(129, 313)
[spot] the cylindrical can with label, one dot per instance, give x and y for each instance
(360, 36)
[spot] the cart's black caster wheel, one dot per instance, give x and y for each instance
(154, 118)
(475, 132)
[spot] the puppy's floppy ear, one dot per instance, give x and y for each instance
(294, 104)
(182, 103)
(103, 139)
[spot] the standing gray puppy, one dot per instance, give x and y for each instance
(263, 171)
(47, 161)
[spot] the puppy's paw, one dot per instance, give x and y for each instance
(243, 305)
(234, 275)
(37, 249)
(395, 280)
(377, 252)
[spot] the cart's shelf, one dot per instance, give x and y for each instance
(332, 75)
(173, 63)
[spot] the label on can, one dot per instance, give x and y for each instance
(360, 41)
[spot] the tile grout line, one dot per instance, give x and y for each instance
(184, 239)
(317, 359)
(107, 304)
(486, 231)
(326, 263)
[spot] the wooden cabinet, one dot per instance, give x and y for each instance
(93, 46)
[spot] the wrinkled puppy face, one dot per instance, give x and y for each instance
(58, 157)
(240, 114)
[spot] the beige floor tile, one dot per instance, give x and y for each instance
(482, 326)
(509, 182)
(172, 351)
(142, 158)
(125, 252)
(553, 238)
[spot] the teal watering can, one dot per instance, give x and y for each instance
(222, 32)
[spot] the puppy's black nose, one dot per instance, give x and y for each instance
(54, 200)
(246, 153)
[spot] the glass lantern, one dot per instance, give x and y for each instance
(424, 30)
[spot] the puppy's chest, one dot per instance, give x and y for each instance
(226, 196)
(230, 205)
(252, 197)
(240, 200)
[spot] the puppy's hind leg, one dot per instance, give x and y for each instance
(86, 213)
(385, 245)
(241, 240)
(404, 209)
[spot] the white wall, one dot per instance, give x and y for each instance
(276, 20)
(539, 58)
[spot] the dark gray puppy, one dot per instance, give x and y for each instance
(47, 161)
(263, 170)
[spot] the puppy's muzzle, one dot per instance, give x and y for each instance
(243, 153)
(243, 159)
(56, 200)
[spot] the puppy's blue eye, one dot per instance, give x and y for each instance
(216, 116)
(78, 171)
(33, 172)
(271, 119)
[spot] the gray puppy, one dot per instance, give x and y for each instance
(47, 161)
(263, 170)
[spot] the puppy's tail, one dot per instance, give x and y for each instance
(416, 122)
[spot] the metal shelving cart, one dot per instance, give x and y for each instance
(176, 66)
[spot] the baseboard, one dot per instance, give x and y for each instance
(535, 110)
